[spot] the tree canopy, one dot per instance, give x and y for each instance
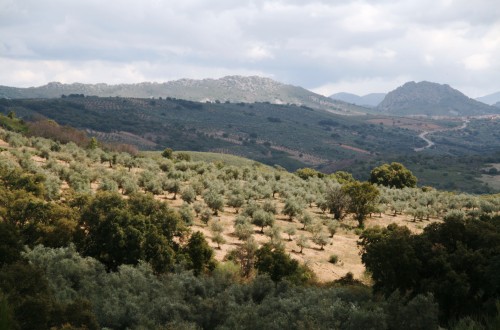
(457, 261)
(393, 175)
(362, 198)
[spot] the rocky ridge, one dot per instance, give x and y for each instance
(230, 88)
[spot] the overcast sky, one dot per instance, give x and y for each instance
(325, 46)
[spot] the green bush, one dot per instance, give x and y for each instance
(333, 259)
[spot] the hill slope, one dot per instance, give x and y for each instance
(431, 99)
(230, 88)
(290, 136)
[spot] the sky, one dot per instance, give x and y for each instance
(331, 46)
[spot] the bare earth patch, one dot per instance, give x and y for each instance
(343, 244)
(4, 144)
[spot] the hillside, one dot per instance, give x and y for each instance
(369, 100)
(230, 88)
(107, 239)
(287, 135)
(70, 169)
(431, 99)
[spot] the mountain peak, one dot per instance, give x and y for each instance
(431, 99)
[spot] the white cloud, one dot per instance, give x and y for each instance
(259, 53)
(477, 62)
(364, 17)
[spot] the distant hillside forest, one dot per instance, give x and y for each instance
(97, 235)
(286, 135)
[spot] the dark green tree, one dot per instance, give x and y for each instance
(458, 261)
(116, 231)
(306, 173)
(200, 254)
(93, 144)
(31, 304)
(363, 196)
(393, 175)
(10, 243)
(275, 262)
(342, 177)
(337, 201)
(168, 153)
(389, 254)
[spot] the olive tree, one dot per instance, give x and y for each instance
(302, 241)
(292, 208)
(214, 200)
(262, 219)
(321, 239)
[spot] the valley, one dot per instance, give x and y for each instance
(424, 135)
(286, 135)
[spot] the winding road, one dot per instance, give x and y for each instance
(424, 134)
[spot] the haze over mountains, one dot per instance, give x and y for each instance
(490, 99)
(369, 100)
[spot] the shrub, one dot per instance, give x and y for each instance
(333, 259)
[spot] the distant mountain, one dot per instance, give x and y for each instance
(497, 105)
(230, 88)
(431, 99)
(370, 100)
(490, 99)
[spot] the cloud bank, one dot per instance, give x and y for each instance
(326, 46)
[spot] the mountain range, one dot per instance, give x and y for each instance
(231, 88)
(411, 99)
(431, 99)
(369, 100)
